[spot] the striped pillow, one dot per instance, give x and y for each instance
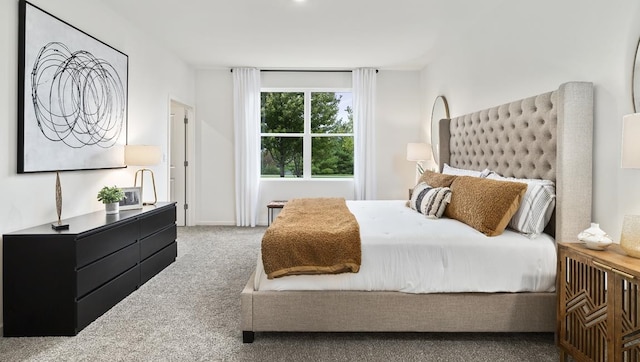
(430, 201)
(536, 207)
(448, 170)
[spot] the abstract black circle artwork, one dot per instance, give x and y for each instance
(72, 97)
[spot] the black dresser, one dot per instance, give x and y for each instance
(58, 282)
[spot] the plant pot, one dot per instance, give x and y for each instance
(112, 208)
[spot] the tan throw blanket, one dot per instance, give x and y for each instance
(312, 236)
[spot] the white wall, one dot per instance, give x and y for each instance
(398, 121)
(520, 52)
(29, 199)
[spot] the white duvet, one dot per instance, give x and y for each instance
(404, 251)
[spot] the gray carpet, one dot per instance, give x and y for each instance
(190, 312)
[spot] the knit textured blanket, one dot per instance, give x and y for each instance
(312, 236)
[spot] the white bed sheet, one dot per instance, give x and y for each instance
(404, 251)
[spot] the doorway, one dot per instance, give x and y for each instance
(179, 160)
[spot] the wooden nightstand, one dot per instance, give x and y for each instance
(598, 304)
(271, 206)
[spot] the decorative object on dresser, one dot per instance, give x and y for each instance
(132, 198)
(72, 96)
(58, 282)
(143, 155)
(595, 238)
(59, 225)
(111, 196)
(598, 295)
(439, 111)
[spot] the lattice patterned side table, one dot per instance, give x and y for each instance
(598, 304)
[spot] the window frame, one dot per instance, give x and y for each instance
(307, 136)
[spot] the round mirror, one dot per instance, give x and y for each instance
(440, 110)
(635, 80)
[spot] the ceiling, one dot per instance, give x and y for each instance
(290, 34)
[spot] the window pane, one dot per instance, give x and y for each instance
(332, 157)
(281, 156)
(282, 112)
(331, 112)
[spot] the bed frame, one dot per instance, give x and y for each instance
(545, 136)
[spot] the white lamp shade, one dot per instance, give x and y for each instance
(418, 152)
(141, 155)
(631, 141)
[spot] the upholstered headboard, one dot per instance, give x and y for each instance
(548, 136)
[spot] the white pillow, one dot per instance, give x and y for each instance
(448, 170)
(536, 207)
(430, 201)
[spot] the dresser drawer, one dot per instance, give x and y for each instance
(95, 274)
(102, 299)
(154, 264)
(101, 244)
(157, 221)
(151, 244)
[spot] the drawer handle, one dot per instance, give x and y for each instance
(605, 267)
(619, 272)
(626, 275)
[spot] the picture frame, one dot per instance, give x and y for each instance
(133, 198)
(72, 97)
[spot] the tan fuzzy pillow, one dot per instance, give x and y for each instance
(435, 179)
(486, 205)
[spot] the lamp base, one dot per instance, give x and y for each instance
(57, 226)
(153, 182)
(630, 238)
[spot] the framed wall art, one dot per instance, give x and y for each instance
(72, 97)
(132, 198)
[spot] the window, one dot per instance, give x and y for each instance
(306, 134)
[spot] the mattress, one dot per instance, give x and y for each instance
(404, 251)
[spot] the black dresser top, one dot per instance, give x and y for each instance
(95, 220)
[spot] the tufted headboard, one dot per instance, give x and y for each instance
(548, 136)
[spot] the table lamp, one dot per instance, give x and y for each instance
(143, 155)
(418, 152)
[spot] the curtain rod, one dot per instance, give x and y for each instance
(306, 70)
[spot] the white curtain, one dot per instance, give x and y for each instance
(246, 116)
(364, 95)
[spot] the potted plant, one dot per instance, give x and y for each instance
(110, 197)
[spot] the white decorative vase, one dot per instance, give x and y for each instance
(595, 238)
(630, 238)
(112, 208)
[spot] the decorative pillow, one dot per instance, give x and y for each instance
(430, 201)
(448, 170)
(536, 207)
(435, 179)
(484, 204)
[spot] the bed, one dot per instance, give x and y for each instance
(548, 136)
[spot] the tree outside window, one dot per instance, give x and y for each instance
(307, 134)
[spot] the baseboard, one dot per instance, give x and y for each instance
(215, 223)
(224, 223)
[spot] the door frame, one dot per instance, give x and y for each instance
(190, 156)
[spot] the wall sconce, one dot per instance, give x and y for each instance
(630, 238)
(418, 152)
(143, 155)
